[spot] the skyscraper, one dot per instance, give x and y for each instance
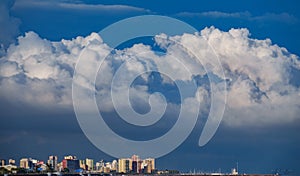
(12, 161)
(114, 165)
(149, 165)
(124, 165)
(89, 163)
(82, 164)
(135, 163)
(24, 163)
(52, 162)
(2, 162)
(70, 162)
(73, 164)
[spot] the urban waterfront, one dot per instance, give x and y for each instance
(71, 165)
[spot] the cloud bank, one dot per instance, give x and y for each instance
(259, 74)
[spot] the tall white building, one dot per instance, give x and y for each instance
(124, 165)
(149, 165)
(12, 161)
(114, 165)
(24, 163)
(90, 164)
(52, 162)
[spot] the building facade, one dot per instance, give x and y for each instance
(24, 163)
(52, 162)
(124, 165)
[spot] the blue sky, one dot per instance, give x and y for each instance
(261, 123)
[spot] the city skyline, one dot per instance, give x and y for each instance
(193, 84)
(72, 164)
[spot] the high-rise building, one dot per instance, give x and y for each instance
(135, 158)
(124, 165)
(149, 165)
(99, 165)
(140, 168)
(52, 162)
(64, 164)
(90, 164)
(59, 167)
(2, 163)
(114, 165)
(82, 164)
(24, 163)
(12, 161)
(32, 163)
(135, 163)
(73, 165)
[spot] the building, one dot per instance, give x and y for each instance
(114, 165)
(24, 163)
(148, 165)
(70, 157)
(2, 162)
(32, 163)
(82, 164)
(90, 164)
(59, 167)
(234, 172)
(136, 166)
(135, 158)
(52, 162)
(99, 165)
(73, 165)
(10, 167)
(64, 164)
(124, 165)
(12, 161)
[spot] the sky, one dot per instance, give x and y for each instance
(255, 41)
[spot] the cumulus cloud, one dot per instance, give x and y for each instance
(258, 74)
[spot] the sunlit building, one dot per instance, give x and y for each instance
(90, 164)
(2, 162)
(114, 165)
(70, 157)
(24, 163)
(52, 162)
(82, 164)
(124, 165)
(12, 161)
(136, 166)
(148, 165)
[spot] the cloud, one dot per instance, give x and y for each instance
(269, 17)
(9, 25)
(79, 6)
(258, 74)
(216, 14)
(101, 7)
(39, 72)
(259, 88)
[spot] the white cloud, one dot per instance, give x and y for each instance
(39, 72)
